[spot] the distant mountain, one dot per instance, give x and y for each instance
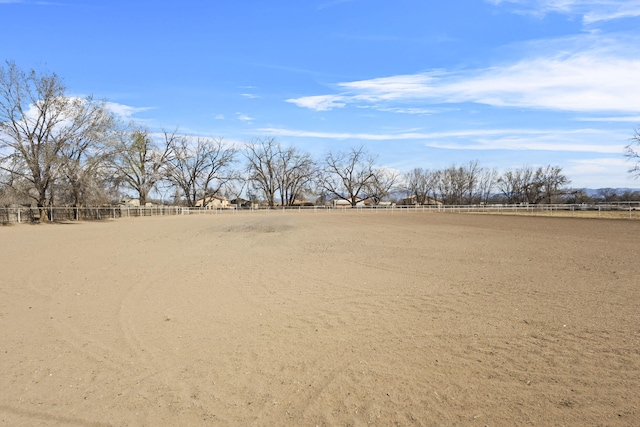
(592, 192)
(596, 193)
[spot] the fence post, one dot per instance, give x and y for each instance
(19, 216)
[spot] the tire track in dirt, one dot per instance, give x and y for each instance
(44, 418)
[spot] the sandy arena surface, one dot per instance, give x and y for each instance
(328, 318)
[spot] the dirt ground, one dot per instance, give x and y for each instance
(327, 318)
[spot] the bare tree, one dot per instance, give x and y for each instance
(86, 180)
(420, 183)
(632, 153)
(578, 196)
(553, 182)
(382, 184)
(39, 125)
(84, 167)
(138, 161)
(348, 175)
(296, 172)
(486, 183)
(14, 187)
(8, 191)
(608, 195)
(452, 185)
(199, 167)
(514, 184)
(275, 170)
(262, 167)
(630, 196)
(235, 189)
(470, 176)
(526, 185)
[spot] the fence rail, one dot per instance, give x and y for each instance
(627, 210)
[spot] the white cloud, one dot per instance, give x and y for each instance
(319, 102)
(390, 136)
(406, 110)
(591, 11)
(125, 111)
(39, 3)
(244, 117)
(623, 119)
(531, 144)
(121, 110)
(601, 163)
(586, 81)
(601, 79)
(582, 140)
(392, 88)
(586, 73)
(598, 172)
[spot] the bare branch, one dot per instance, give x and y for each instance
(347, 175)
(199, 167)
(632, 153)
(42, 129)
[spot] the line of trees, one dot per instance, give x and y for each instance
(57, 149)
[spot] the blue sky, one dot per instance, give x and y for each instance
(420, 83)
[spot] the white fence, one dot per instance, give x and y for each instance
(629, 210)
(93, 213)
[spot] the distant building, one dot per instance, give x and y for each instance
(130, 202)
(240, 203)
(213, 202)
(342, 203)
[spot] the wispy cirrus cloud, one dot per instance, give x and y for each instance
(595, 80)
(38, 3)
(541, 142)
(402, 87)
(591, 11)
(407, 110)
(618, 119)
(580, 140)
(605, 168)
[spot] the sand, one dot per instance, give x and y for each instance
(328, 318)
